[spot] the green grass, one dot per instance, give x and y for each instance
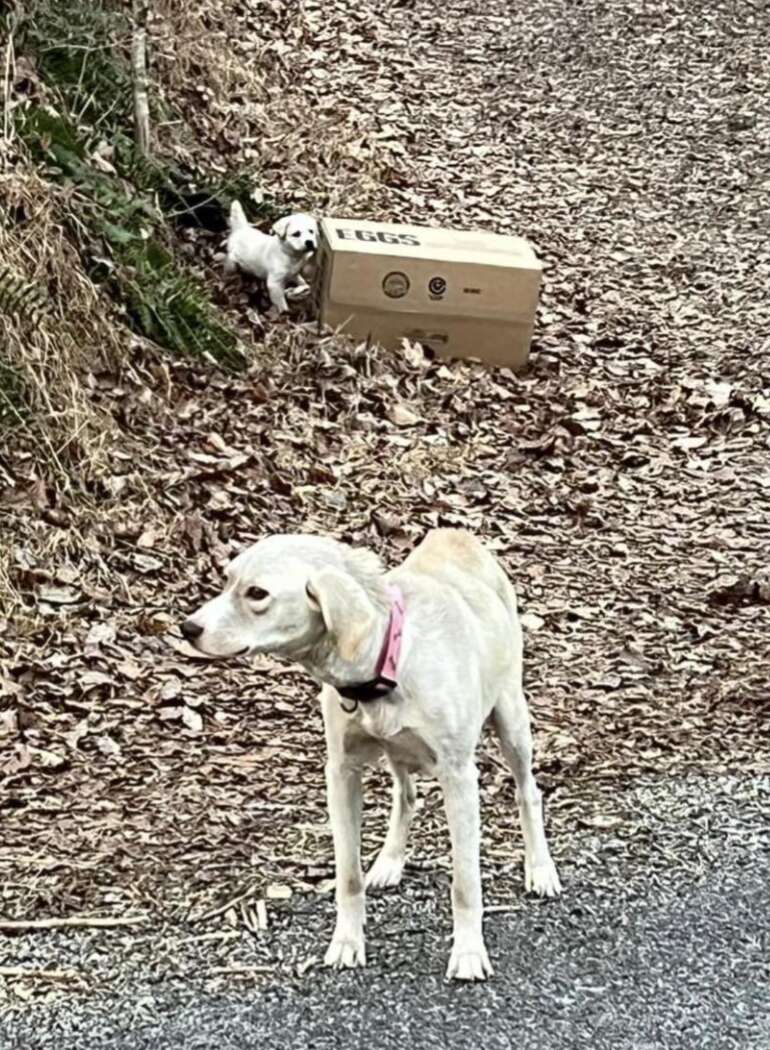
(13, 400)
(81, 48)
(124, 222)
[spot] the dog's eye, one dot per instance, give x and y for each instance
(257, 594)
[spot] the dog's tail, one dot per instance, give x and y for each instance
(237, 217)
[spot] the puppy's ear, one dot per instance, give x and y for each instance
(280, 226)
(347, 612)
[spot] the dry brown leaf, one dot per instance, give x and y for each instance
(402, 415)
(192, 719)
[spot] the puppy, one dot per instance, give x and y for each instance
(276, 259)
(411, 664)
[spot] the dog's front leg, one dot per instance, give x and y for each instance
(299, 290)
(469, 960)
(387, 869)
(277, 295)
(343, 784)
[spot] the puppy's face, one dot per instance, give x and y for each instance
(299, 233)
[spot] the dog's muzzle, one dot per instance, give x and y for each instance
(191, 630)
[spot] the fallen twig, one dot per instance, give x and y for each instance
(242, 970)
(46, 975)
(24, 925)
(222, 908)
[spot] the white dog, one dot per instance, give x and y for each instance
(277, 259)
(411, 663)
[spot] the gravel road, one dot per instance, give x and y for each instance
(661, 942)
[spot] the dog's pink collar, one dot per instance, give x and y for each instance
(387, 664)
(386, 670)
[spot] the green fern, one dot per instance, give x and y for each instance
(167, 306)
(21, 298)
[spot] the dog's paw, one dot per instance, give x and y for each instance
(542, 879)
(345, 953)
(386, 871)
(469, 963)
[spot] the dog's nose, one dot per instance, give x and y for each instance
(191, 630)
(310, 245)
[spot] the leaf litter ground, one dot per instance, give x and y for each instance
(624, 480)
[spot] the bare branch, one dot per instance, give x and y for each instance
(139, 68)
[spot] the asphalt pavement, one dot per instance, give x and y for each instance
(660, 942)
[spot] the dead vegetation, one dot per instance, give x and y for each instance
(56, 330)
(93, 286)
(58, 333)
(256, 103)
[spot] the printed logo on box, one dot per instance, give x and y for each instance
(437, 287)
(376, 235)
(395, 284)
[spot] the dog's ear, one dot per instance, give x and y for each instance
(280, 226)
(346, 609)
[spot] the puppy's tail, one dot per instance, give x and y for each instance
(237, 217)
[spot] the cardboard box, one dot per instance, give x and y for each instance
(461, 294)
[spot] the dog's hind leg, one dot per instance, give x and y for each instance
(511, 721)
(389, 865)
(459, 782)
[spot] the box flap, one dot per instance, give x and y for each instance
(427, 242)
